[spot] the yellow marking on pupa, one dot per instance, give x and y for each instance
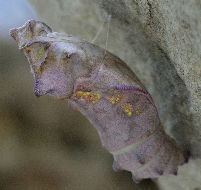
(79, 94)
(127, 108)
(40, 53)
(88, 96)
(114, 99)
(138, 111)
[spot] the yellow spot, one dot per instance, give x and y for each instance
(40, 53)
(138, 110)
(88, 96)
(115, 98)
(79, 93)
(127, 108)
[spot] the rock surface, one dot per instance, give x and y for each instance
(161, 42)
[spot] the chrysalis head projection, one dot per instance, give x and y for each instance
(51, 63)
(107, 92)
(29, 31)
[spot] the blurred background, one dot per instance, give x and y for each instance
(45, 145)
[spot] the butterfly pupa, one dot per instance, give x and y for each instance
(107, 92)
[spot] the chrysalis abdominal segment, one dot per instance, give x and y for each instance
(107, 92)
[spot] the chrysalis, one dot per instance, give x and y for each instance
(107, 92)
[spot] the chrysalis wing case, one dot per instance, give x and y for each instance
(107, 92)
